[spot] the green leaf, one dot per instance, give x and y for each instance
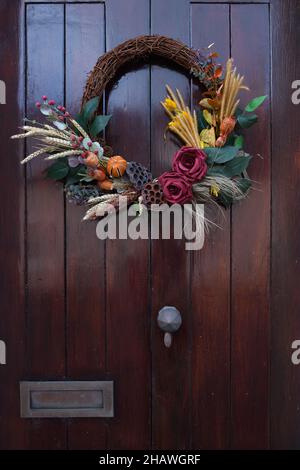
(202, 123)
(236, 166)
(99, 124)
(230, 139)
(238, 112)
(220, 155)
(74, 175)
(255, 103)
(83, 123)
(247, 120)
(225, 200)
(239, 141)
(244, 184)
(90, 108)
(216, 170)
(58, 170)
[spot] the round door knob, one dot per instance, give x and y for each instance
(169, 320)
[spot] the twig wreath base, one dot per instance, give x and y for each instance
(210, 166)
(138, 49)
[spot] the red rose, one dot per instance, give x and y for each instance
(190, 162)
(176, 188)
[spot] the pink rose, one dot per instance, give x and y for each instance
(190, 162)
(176, 188)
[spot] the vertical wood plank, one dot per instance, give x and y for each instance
(210, 281)
(45, 221)
(85, 254)
(285, 376)
(128, 357)
(171, 399)
(251, 243)
(13, 430)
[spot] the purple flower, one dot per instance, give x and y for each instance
(190, 162)
(73, 162)
(176, 188)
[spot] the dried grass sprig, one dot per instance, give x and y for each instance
(57, 142)
(110, 203)
(67, 153)
(79, 128)
(229, 187)
(36, 154)
(233, 83)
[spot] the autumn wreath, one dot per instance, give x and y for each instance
(210, 167)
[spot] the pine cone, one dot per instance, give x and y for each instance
(138, 174)
(80, 194)
(152, 193)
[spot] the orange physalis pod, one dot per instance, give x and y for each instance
(116, 166)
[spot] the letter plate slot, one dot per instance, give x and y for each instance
(63, 399)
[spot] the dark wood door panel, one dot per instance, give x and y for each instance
(45, 270)
(285, 376)
(127, 261)
(85, 254)
(210, 281)
(13, 430)
(251, 243)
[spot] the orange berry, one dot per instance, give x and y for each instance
(107, 185)
(116, 166)
(92, 160)
(99, 175)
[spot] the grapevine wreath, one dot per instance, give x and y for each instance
(211, 166)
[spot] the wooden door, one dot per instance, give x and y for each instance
(76, 308)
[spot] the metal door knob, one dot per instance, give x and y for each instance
(169, 320)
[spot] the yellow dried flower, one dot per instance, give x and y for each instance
(214, 190)
(170, 104)
(208, 136)
(185, 114)
(174, 123)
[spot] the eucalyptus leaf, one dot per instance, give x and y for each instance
(255, 103)
(58, 170)
(46, 110)
(90, 108)
(247, 120)
(87, 143)
(61, 125)
(220, 155)
(99, 124)
(97, 147)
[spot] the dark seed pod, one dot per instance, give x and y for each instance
(152, 193)
(138, 174)
(80, 194)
